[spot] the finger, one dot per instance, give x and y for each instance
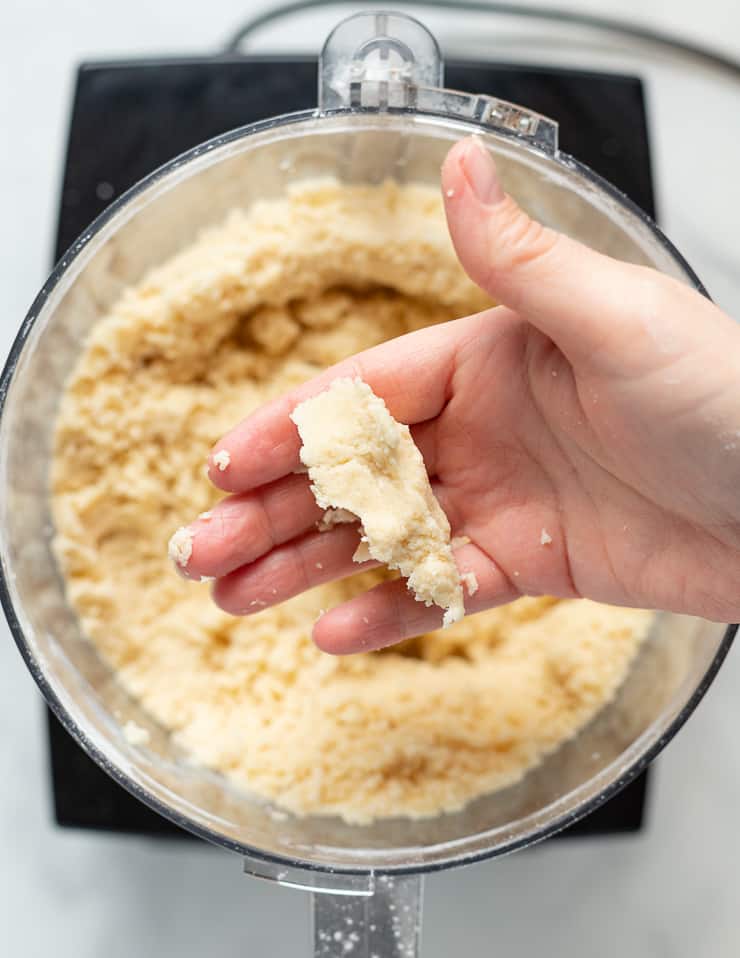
(244, 527)
(290, 569)
(241, 528)
(389, 613)
(411, 373)
(296, 565)
(593, 307)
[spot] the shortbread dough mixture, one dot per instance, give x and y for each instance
(253, 307)
(362, 461)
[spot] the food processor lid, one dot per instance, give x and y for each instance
(692, 93)
(383, 62)
(386, 61)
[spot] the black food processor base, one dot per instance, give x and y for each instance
(130, 117)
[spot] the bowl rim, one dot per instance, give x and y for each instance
(558, 822)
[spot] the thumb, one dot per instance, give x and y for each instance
(593, 307)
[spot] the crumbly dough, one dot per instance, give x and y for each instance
(182, 356)
(222, 459)
(180, 546)
(135, 734)
(361, 460)
(334, 517)
(471, 582)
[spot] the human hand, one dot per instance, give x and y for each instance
(584, 435)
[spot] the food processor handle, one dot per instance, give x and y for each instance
(380, 60)
(385, 924)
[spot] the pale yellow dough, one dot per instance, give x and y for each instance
(254, 307)
(361, 460)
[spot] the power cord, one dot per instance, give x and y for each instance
(629, 30)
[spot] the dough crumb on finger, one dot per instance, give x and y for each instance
(222, 459)
(471, 582)
(180, 546)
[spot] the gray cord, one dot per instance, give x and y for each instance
(631, 30)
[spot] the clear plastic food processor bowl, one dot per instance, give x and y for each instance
(383, 112)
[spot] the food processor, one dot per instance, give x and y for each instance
(383, 112)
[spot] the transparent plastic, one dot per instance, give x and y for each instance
(387, 924)
(377, 59)
(153, 221)
(387, 61)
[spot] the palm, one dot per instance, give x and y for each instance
(527, 445)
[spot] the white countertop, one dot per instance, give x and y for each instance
(671, 891)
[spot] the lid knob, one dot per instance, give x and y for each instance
(377, 59)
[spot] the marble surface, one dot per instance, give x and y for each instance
(670, 892)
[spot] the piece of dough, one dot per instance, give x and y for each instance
(360, 459)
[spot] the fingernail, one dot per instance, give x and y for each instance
(480, 172)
